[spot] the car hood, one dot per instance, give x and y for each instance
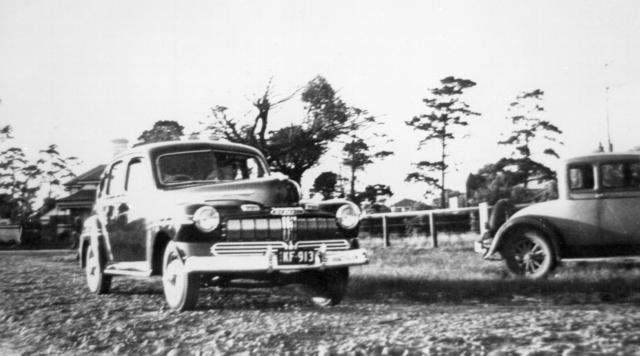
(269, 191)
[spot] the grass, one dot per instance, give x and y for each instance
(411, 269)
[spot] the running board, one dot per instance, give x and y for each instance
(134, 269)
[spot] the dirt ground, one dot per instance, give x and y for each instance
(45, 309)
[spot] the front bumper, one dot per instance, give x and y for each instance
(268, 262)
(483, 245)
(480, 247)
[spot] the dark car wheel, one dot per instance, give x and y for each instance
(180, 287)
(327, 288)
(528, 253)
(97, 281)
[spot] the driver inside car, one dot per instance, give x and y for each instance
(224, 171)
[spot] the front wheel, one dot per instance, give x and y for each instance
(327, 288)
(97, 281)
(180, 287)
(528, 253)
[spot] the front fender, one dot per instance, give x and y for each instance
(91, 235)
(532, 222)
(331, 207)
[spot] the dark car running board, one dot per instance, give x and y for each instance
(135, 269)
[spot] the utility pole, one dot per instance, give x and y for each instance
(606, 88)
(608, 125)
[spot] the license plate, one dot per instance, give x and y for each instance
(296, 257)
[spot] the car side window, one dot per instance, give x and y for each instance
(581, 177)
(135, 176)
(251, 168)
(116, 179)
(620, 175)
(612, 175)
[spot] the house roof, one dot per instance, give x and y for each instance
(91, 176)
(80, 199)
(406, 203)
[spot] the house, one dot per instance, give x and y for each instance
(82, 193)
(58, 217)
(409, 205)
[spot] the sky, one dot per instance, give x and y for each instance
(81, 73)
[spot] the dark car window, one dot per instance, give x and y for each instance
(581, 177)
(620, 175)
(207, 166)
(116, 179)
(135, 176)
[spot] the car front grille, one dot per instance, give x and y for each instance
(261, 247)
(284, 228)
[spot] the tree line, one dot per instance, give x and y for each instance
(25, 179)
(327, 119)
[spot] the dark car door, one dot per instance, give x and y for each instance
(126, 244)
(619, 204)
(111, 209)
(578, 219)
(134, 212)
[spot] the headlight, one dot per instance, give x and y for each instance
(206, 218)
(348, 216)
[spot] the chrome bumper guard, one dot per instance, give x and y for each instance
(269, 262)
(480, 248)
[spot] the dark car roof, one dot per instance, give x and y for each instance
(168, 146)
(604, 157)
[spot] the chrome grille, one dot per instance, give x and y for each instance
(245, 248)
(285, 228)
(260, 248)
(332, 245)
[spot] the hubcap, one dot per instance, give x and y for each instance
(173, 281)
(92, 271)
(529, 256)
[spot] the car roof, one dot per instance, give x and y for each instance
(604, 157)
(151, 148)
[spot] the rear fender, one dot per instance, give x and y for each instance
(530, 222)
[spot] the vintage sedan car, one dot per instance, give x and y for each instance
(597, 215)
(211, 214)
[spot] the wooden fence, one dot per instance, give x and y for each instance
(482, 212)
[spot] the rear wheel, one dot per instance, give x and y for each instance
(97, 281)
(327, 288)
(528, 253)
(180, 287)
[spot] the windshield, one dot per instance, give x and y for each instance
(207, 166)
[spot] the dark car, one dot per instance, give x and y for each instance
(597, 215)
(207, 213)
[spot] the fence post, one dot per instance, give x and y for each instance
(432, 231)
(385, 233)
(483, 217)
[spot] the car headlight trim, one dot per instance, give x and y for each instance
(206, 218)
(348, 216)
